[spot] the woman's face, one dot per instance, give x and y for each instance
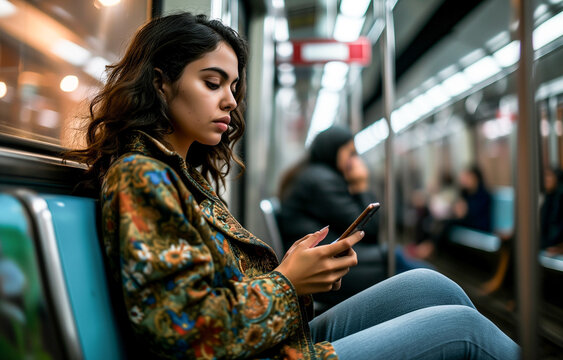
(550, 181)
(345, 155)
(201, 100)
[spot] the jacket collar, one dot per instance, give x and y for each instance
(213, 209)
(145, 144)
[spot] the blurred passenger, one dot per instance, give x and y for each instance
(474, 208)
(330, 188)
(421, 216)
(471, 207)
(551, 212)
(443, 199)
(433, 215)
(193, 282)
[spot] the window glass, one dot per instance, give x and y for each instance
(52, 57)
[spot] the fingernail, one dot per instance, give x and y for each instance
(326, 227)
(362, 234)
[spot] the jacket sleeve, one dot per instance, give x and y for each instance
(174, 288)
(335, 205)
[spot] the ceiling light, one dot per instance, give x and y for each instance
(108, 3)
(354, 8)
(481, 70)
(287, 78)
(71, 52)
(96, 67)
(371, 136)
(422, 104)
(281, 32)
(456, 84)
(284, 49)
(548, 31)
(48, 118)
(3, 89)
(324, 113)
(69, 83)
(399, 120)
(508, 55)
(436, 96)
(335, 74)
(278, 4)
(6, 8)
(348, 28)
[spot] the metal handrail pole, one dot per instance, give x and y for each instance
(388, 51)
(527, 188)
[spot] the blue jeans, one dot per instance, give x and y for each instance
(418, 314)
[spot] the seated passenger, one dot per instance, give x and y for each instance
(330, 188)
(193, 282)
(551, 213)
(474, 208)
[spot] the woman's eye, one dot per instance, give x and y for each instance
(212, 86)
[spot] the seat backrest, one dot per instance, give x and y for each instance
(67, 225)
(503, 210)
(270, 208)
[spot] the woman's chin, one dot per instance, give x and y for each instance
(212, 141)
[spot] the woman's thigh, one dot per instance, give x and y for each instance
(398, 295)
(439, 332)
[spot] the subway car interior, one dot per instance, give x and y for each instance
(429, 88)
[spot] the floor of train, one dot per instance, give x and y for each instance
(500, 305)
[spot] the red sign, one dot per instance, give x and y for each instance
(320, 51)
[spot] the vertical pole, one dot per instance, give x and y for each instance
(388, 50)
(355, 77)
(526, 186)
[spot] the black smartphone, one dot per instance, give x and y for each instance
(360, 221)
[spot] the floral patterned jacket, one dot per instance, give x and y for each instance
(195, 283)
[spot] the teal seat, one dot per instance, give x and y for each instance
(502, 214)
(475, 239)
(553, 262)
(74, 262)
(74, 222)
(503, 210)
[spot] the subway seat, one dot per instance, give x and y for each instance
(73, 264)
(503, 224)
(502, 221)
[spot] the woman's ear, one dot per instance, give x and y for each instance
(161, 84)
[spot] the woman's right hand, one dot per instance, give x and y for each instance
(317, 269)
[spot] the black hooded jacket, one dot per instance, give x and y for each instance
(318, 195)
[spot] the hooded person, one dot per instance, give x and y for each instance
(329, 187)
(316, 192)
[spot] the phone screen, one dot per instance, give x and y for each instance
(360, 221)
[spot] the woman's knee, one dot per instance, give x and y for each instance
(439, 286)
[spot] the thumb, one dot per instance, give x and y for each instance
(316, 237)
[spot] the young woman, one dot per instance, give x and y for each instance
(194, 282)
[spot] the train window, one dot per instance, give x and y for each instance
(52, 57)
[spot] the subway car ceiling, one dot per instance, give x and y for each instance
(461, 47)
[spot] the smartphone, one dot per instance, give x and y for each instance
(360, 221)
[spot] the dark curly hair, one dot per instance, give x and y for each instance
(129, 101)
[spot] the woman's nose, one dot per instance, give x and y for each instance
(229, 102)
